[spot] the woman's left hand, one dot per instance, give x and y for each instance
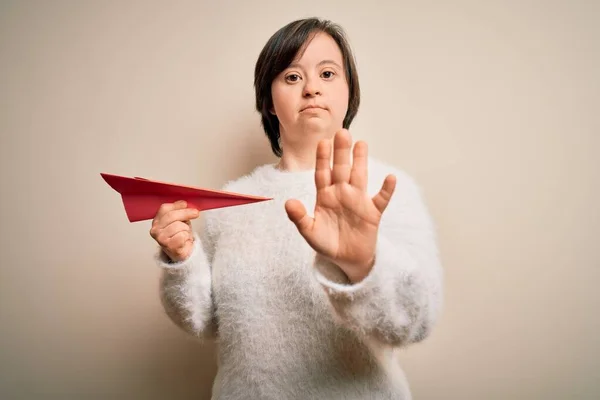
(346, 219)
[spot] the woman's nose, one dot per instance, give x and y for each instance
(312, 88)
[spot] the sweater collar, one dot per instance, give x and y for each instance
(303, 180)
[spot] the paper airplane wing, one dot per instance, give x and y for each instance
(143, 197)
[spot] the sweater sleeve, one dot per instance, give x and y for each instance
(186, 287)
(398, 302)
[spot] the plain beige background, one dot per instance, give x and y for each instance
(491, 105)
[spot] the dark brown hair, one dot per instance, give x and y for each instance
(278, 54)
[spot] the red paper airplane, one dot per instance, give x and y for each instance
(143, 197)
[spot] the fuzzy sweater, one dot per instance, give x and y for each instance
(288, 323)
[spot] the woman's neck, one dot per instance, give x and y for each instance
(294, 163)
(298, 158)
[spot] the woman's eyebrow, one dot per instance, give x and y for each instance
(329, 62)
(296, 65)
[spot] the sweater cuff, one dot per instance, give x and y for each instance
(337, 284)
(382, 305)
(163, 261)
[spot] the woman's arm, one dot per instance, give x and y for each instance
(399, 300)
(186, 287)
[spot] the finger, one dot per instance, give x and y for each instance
(180, 204)
(184, 214)
(382, 199)
(163, 235)
(172, 229)
(323, 169)
(179, 240)
(174, 213)
(297, 214)
(342, 143)
(162, 210)
(166, 207)
(359, 173)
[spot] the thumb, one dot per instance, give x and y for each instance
(297, 214)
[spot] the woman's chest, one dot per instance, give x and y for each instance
(262, 260)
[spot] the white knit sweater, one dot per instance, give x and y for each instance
(287, 323)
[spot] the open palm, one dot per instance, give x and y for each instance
(346, 219)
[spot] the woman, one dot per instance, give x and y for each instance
(312, 304)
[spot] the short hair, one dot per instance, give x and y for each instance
(278, 54)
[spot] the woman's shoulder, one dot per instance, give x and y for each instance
(379, 170)
(407, 206)
(248, 183)
(254, 182)
(227, 218)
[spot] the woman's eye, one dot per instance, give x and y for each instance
(328, 74)
(292, 78)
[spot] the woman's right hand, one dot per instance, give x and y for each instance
(172, 229)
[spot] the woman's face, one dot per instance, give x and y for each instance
(310, 97)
